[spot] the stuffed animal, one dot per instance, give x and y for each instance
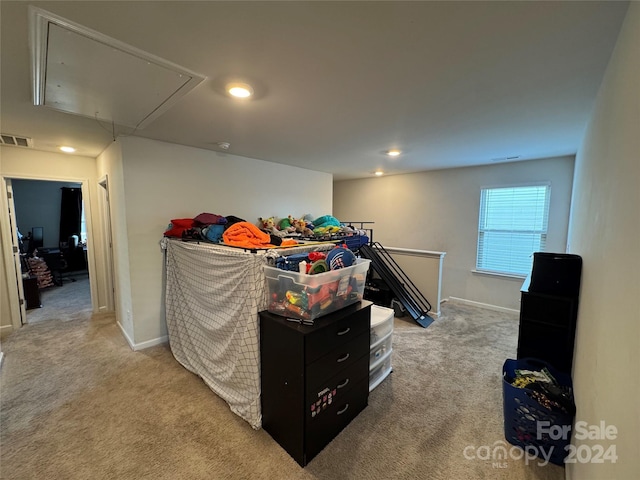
(286, 225)
(327, 221)
(269, 226)
(301, 227)
(326, 225)
(319, 231)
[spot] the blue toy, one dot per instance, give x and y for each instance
(340, 257)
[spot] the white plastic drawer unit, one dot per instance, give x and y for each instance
(380, 350)
(379, 373)
(381, 323)
(380, 345)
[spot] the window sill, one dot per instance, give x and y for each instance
(507, 276)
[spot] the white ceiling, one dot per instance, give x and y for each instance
(338, 83)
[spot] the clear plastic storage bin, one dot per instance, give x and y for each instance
(381, 323)
(307, 297)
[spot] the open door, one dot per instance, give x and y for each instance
(16, 264)
(109, 267)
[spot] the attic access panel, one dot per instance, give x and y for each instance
(80, 71)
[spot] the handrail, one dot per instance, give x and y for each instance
(408, 294)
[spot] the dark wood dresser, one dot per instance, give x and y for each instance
(31, 292)
(314, 379)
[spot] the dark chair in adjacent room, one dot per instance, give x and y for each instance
(57, 264)
(75, 255)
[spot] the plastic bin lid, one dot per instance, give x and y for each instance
(380, 314)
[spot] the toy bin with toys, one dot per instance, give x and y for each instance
(307, 296)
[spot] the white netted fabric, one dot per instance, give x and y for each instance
(213, 296)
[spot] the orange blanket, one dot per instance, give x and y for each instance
(247, 235)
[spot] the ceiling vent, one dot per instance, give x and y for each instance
(15, 141)
(80, 71)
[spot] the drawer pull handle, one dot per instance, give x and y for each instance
(342, 359)
(344, 384)
(344, 332)
(340, 412)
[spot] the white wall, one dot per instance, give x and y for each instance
(33, 164)
(605, 231)
(109, 164)
(162, 181)
(438, 210)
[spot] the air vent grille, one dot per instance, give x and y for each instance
(15, 141)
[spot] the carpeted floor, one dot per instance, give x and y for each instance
(70, 300)
(77, 403)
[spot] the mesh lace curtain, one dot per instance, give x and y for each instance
(70, 213)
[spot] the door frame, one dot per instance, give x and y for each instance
(12, 274)
(14, 271)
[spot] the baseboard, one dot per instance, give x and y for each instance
(151, 343)
(5, 330)
(488, 306)
(126, 336)
(141, 346)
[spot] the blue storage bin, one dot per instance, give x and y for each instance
(522, 412)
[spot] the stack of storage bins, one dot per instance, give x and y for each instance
(381, 345)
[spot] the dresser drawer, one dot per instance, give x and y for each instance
(323, 427)
(337, 359)
(319, 394)
(337, 334)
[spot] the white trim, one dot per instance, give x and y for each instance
(507, 276)
(488, 306)
(5, 327)
(1, 359)
(39, 20)
(126, 336)
(141, 346)
(14, 293)
(420, 253)
(13, 275)
(151, 343)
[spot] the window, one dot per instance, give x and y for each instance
(513, 225)
(83, 226)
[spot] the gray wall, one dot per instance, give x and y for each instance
(605, 231)
(438, 210)
(37, 204)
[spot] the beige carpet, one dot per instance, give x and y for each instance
(77, 403)
(70, 300)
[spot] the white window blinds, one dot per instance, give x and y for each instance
(513, 225)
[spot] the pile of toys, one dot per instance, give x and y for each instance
(322, 283)
(306, 226)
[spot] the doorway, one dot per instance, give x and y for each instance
(54, 274)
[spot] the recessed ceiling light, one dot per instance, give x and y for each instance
(379, 173)
(240, 90)
(67, 149)
(394, 152)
